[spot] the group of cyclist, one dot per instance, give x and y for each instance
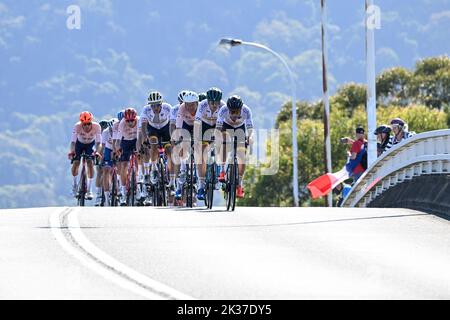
(197, 120)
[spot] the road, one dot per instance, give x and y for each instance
(254, 253)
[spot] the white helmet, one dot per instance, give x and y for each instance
(181, 96)
(190, 96)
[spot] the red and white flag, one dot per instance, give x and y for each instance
(326, 183)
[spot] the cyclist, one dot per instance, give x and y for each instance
(127, 135)
(99, 177)
(107, 154)
(155, 124)
(174, 112)
(235, 119)
(400, 130)
(382, 132)
(185, 128)
(204, 125)
(202, 96)
(86, 134)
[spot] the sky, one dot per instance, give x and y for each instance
(124, 49)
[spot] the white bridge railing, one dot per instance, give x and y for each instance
(423, 154)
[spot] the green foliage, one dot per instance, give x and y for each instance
(431, 82)
(393, 85)
(349, 97)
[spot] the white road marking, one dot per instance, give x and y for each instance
(105, 265)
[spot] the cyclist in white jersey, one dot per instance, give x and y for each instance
(86, 134)
(235, 119)
(99, 168)
(174, 112)
(204, 129)
(155, 125)
(127, 135)
(107, 155)
(184, 130)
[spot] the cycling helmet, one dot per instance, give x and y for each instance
(86, 117)
(181, 96)
(120, 115)
(234, 102)
(130, 114)
(398, 121)
(383, 129)
(155, 97)
(103, 124)
(202, 96)
(214, 94)
(190, 96)
(111, 122)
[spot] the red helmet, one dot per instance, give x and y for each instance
(130, 114)
(86, 117)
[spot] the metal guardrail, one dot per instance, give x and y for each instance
(426, 153)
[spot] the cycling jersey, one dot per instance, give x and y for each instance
(95, 134)
(205, 114)
(245, 117)
(157, 121)
(107, 137)
(115, 130)
(184, 116)
(126, 132)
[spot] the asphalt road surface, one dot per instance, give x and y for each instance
(253, 253)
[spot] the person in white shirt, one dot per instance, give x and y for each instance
(235, 119)
(127, 135)
(108, 157)
(204, 129)
(154, 124)
(85, 135)
(184, 130)
(99, 168)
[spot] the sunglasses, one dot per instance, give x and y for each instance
(156, 105)
(129, 121)
(87, 124)
(214, 103)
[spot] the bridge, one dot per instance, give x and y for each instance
(414, 174)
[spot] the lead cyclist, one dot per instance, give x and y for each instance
(235, 119)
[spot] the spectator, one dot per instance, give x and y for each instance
(358, 154)
(400, 130)
(383, 135)
(341, 190)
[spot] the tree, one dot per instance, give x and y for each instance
(393, 86)
(349, 97)
(431, 82)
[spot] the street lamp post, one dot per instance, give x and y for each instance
(236, 42)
